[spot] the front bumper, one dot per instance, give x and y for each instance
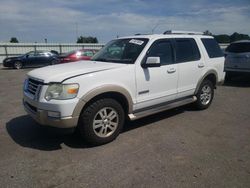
(41, 115)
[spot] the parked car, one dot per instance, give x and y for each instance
(77, 55)
(131, 77)
(31, 59)
(237, 59)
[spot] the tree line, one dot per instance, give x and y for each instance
(222, 38)
(231, 38)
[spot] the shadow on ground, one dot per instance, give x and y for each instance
(27, 133)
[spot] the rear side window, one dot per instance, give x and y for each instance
(162, 49)
(212, 47)
(239, 47)
(186, 50)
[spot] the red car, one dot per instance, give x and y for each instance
(77, 55)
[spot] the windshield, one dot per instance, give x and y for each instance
(239, 47)
(121, 50)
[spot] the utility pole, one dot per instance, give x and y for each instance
(153, 29)
(76, 30)
(156, 25)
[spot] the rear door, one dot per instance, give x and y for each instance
(190, 65)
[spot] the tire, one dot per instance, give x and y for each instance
(205, 95)
(101, 122)
(53, 62)
(18, 65)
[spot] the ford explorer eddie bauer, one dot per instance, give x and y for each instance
(130, 77)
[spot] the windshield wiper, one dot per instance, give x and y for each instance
(113, 60)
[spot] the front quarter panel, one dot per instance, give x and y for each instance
(118, 80)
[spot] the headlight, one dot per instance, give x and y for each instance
(61, 91)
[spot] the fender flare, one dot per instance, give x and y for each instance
(203, 77)
(101, 90)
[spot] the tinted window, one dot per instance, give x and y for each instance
(212, 47)
(186, 50)
(239, 47)
(162, 49)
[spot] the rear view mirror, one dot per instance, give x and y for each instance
(152, 62)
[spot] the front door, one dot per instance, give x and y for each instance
(157, 85)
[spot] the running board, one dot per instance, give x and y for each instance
(161, 108)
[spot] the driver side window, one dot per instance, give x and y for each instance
(162, 49)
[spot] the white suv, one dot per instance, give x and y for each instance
(130, 77)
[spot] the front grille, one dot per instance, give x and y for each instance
(34, 87)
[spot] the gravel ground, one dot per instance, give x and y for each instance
(177, 148)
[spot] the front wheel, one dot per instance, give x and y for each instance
(18, 65)
(102, 121)
(205, 95)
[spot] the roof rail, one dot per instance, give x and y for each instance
(141, 34)
(183, 32)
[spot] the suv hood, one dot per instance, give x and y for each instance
(58, 73)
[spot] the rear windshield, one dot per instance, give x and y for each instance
(212, 47)
(239, 47)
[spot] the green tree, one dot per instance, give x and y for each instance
(237, 36)
(89, 39)
(13, 40)
(222, 38)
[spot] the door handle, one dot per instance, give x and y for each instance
(171, 70)
(200, 65)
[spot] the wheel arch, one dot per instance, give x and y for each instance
(210, 75)
(107, 91)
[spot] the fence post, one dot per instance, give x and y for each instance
(6, 51)
(60, 48)
(35, 48)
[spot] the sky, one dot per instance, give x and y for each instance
(63, 20)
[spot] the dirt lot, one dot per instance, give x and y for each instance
(176, 148)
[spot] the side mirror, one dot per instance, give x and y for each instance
(27, 56)
(152, 62)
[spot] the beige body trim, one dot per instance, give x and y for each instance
(101, 90)
(203, 77)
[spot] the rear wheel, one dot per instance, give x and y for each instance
(53, 62)
(18, 65)
(102, 121)
(205, 95)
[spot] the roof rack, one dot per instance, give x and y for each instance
(141, 34)
(183, 32)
